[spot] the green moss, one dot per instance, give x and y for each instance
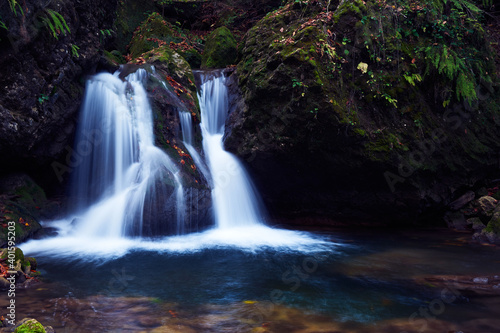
(114, 57)
(129, 15)
(387, 109)
(32, 262)
(192, 56)
(220, 49)
(30, 326)
(22, 203)
(356, 7)
(360, 131)
(153, 32)
(25, 264)
(19, 255)
(494, 224)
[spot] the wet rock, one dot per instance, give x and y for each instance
(480, 280)
(455, 220)
(486, 205)
(462, 201)
(42, 80)
(491, 232)
(33, 262)
(465, 284)
(4, 284)
(20, 277)
(476, 224)
(480, 325)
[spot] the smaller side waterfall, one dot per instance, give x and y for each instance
(235, 201)
(187, 138)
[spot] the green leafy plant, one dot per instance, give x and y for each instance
(412, 78)
(14, 5)
(56, 23)
(105, 33)
(74, 50)
(297, 83)
(43, 98)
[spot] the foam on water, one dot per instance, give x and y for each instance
(253, 238)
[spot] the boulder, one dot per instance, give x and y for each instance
(153, 32)
(462, 200)
(4, 284)
(29, 325)
(455, 220)
(486, 205)
(476, 224)
(220, 49)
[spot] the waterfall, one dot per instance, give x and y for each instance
(128, 190)
(235, 201)
(123, 184)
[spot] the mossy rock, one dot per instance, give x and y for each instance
(192, 56)
(220, 49)
(32, 262)
(329, 89)
(172, 64)
(493, 225)
(114, 57)
(19, 255)
(21, 189)
(23, 202)
(129, 15)
(29, 325)
(153, 32)
(176, 65)
(487, 205)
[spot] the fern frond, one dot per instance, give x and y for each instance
(465, 87)
(51, 27)
(56, 23)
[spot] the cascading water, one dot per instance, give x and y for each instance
(235, 200)
(187, 138)
(128, 187)
(127, 181)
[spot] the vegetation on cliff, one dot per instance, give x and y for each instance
(398, 94)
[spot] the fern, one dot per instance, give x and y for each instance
(13, 5)
(465, 5)
(413, 78)
(466, 88)
(56, 23)
(74, 50)
(448, 63)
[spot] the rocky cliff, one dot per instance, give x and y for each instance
(366, 109)
(46, 49)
